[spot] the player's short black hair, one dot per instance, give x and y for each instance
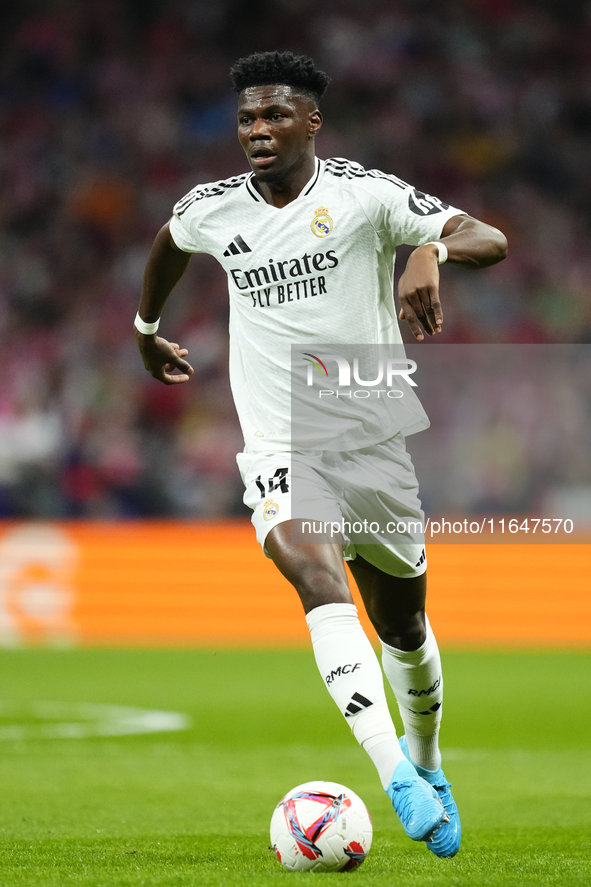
(268, 68)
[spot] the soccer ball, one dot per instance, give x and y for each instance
(321, 827)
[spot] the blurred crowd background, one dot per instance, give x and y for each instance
(110, 110)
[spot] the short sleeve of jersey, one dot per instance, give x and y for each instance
(185, 221)
(401, 213)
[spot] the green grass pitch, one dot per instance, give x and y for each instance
(193, 807)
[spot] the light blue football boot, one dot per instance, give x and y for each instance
(417, 804)
(446, 840)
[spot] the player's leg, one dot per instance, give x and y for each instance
(350, 669)
(339, 642)
(345, 658)
(411, 662)
(316, 571)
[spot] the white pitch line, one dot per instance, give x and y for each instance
(80, 720)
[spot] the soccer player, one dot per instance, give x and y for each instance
(308, 246)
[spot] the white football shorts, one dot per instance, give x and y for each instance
(375, 484)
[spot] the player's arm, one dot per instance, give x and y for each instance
(165, 267)
(470, 243)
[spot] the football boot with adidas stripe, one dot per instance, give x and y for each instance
(417, 804)
(446, 840)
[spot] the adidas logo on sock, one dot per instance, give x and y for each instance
(421, 560)
(353, 709)
(432, 710)
(238, 245)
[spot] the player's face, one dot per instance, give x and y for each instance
(276, 128)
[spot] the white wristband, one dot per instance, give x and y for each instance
(147, 329)
(441, 250)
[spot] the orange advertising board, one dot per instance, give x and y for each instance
(210, 584)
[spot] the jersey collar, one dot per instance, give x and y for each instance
(308, 187)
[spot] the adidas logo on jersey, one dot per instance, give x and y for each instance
(422, 559)
(238, 245)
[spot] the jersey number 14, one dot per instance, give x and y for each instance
(277, 482)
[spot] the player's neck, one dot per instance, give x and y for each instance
(282, 192)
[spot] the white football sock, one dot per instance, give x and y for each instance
(417, 682)
(351, 671)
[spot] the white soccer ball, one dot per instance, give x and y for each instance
(322, 827)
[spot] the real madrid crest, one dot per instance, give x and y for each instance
(270, 509)
(322, 223)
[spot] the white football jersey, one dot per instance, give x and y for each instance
(319, 270)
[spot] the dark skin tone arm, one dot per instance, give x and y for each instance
(166, 265)
(470, 244)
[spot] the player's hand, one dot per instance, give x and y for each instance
(161, 358)
(418, 291)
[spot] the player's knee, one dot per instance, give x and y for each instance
(405, 631)
(319, 584)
